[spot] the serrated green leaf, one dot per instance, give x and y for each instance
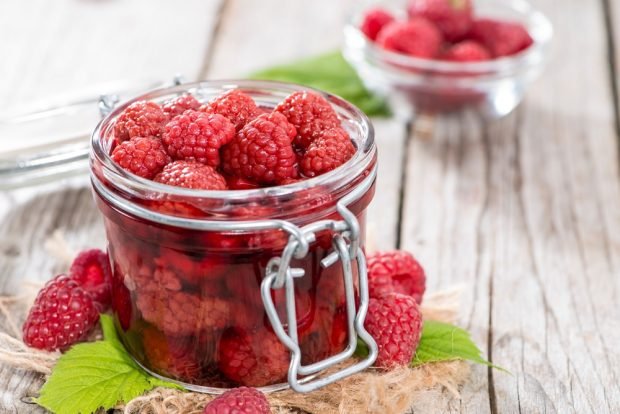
(329, 72)
(96, 375)
(445, 342)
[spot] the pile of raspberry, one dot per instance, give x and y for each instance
(445, 30)
(230, 143)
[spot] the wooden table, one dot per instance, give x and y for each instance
(523, 212)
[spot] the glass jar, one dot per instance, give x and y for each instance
(259, 287)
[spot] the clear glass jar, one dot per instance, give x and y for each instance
(193, 269)
(414, 84)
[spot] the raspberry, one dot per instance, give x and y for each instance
(310, 113)
(179, 105)
(140, 119)
(194, 270)
(91, 270)
(452, 17)
(242, 400)
(262, 151)
(466, 51)
(395, 271)
(332, 149)
(253, 359)
(197, 136)
(416, 37)
(191, 174)
(144, 157)
(501, 38)
(395, 322)
(62, 314)
(162, 302)
(235, 105)
(181, 313)
(374, 20)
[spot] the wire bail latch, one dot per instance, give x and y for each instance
(280, 274)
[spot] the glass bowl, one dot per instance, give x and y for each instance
(196, 288)
(413, 84)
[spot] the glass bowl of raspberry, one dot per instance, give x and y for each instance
(235, 217)
(446, 55)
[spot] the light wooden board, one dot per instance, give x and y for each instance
(524, 212)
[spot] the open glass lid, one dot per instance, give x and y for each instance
(51, 140)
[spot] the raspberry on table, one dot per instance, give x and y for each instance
(144, 157)
(501, 38)
(242, 400)
(62, 314)
(140, 119)
(180, 104)
(310, 114)
(452, 17)
(91, 270)
(191, 174)
(262, 151)
(329, 151)
(466, 51)
(395, 322)
(395, 271)
(197, 136)
(416, 37)
(234, 105)
(374, 20)
(253, 359)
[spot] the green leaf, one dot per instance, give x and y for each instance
(108, 329)
(331, 73)
(441, 342)
(445, 342)
(96, 375)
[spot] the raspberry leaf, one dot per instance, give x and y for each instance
(329, 72)
(445, 342)
(96, 375)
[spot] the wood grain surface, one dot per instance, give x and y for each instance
(523, 212)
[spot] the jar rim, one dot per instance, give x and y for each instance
(102, 165)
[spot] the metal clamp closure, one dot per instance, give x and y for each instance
(279, 274)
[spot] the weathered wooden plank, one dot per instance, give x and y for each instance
(244, 45)
(611, 10)
(68, 46)
(524, 212)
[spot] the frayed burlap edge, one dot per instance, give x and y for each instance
(372, 391)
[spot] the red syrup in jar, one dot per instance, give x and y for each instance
(180, 293)
(187, 302)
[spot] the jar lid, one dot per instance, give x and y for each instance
(51, 140)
